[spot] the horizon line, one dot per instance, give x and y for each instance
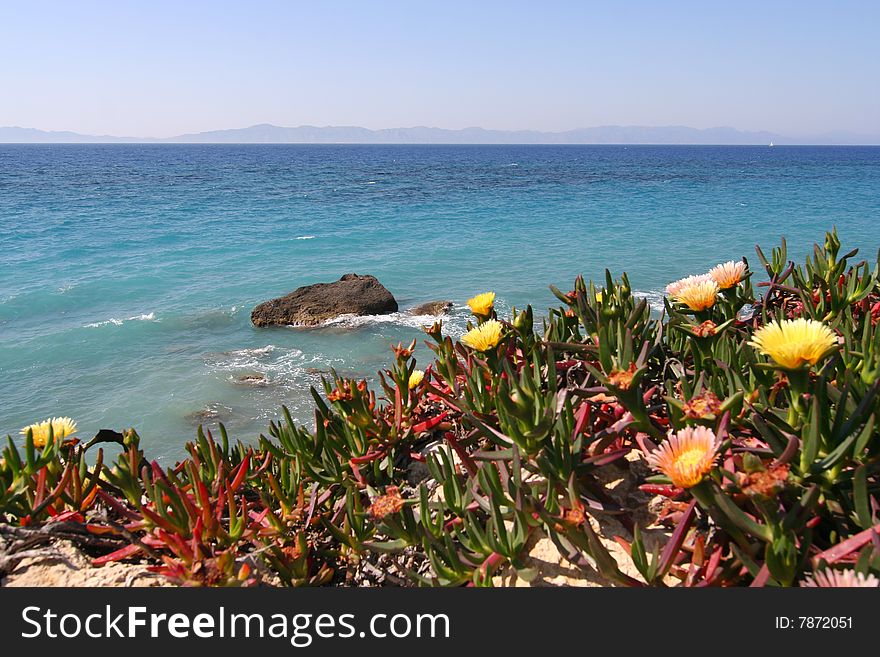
(607, 134)
(424, 143)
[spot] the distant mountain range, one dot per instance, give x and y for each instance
(306, 134)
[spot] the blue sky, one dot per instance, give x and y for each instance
(157, 68)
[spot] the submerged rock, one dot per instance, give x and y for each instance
(432, 308)
(211, 412)
(253, 379)
(313, 304)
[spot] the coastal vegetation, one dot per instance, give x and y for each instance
(745, 415)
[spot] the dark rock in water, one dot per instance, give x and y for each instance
(313, 304)
(432, 308)
(253, 379)
(214, 411)
(316, 370)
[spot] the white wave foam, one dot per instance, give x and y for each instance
(453, 324)
(654, 297)
(112, 320)
(305, 237)
(287, 367)
(145, 317)
(404, 319)
(255, 359)
(248, 353)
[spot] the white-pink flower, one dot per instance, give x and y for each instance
(675, 288)
(839, 579)
(728, 274)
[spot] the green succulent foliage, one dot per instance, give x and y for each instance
(519, 443)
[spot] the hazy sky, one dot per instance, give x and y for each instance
(156, 68)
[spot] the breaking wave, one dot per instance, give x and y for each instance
(654, 297)
(453, 323)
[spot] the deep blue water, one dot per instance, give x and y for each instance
(128, 272)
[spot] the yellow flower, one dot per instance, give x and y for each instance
(793, 343)
(481, 305)
(675, 287)
(687, 456)
(728, 274)
(61, 428)
(416, 378)
(599, 296)
(699, 295)
(486, 336)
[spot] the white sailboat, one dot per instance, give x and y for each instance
(771, 144)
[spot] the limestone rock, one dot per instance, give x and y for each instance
(313, 304)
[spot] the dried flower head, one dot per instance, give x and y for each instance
(484, 337)
(793, 343)
(385, 505)
(705, 329)
(702, 405)
(765, 483)
(838, 579)
(574, 516)
(622, 378)
(675, 287)
(686, 456)
(61, 427)
(728, 274)
(416, 378)
(698, 296)
(481, 305)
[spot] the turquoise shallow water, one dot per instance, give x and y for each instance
(129, 272)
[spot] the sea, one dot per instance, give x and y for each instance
(128, 272)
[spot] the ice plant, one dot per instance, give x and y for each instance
(840, 579)
(532, 434)
(677, 286)
(687, 456)
(728, 274)
(481, 305)
(484, 337)
(697, 296)
(62, 427)
(794, 343)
